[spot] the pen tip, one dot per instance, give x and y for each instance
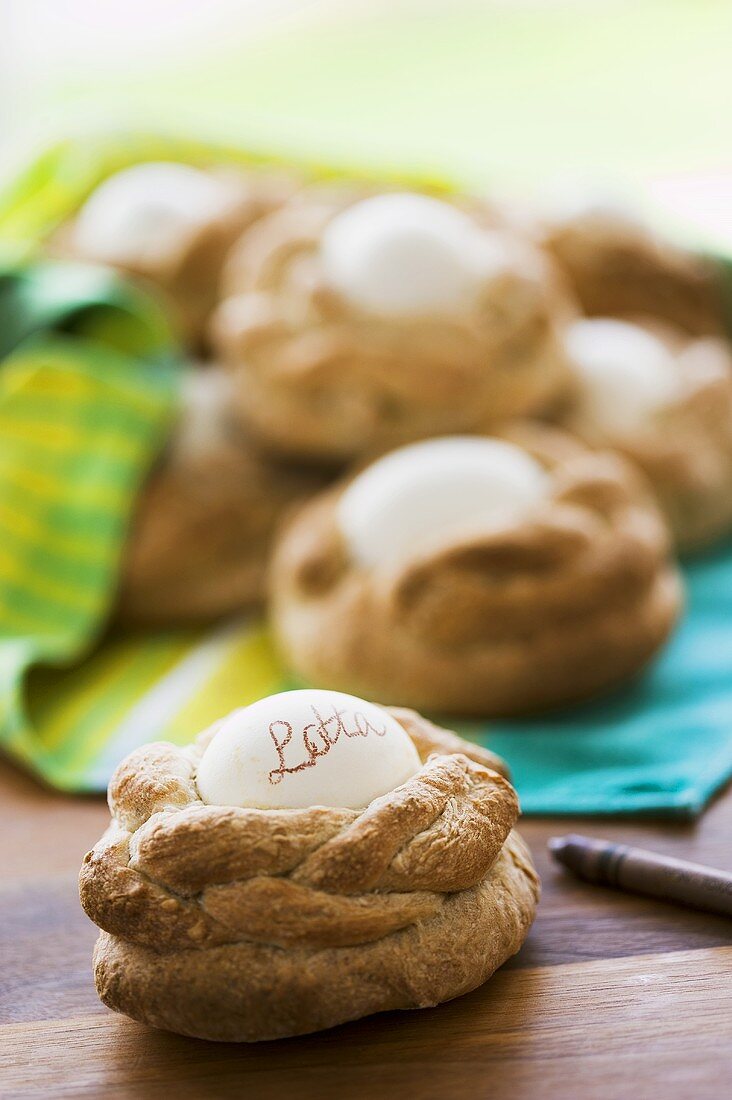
(556, 844)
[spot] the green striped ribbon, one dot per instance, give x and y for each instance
(88, 385)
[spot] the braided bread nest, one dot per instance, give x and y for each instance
(542, 613)
(243, 924)
(317, 377)
(618, 266)
(199, 543)
(188, 269)
(685, 448)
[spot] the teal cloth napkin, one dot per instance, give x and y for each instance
(660, 746)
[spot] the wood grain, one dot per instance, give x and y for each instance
(525, 1030)
(612, 995)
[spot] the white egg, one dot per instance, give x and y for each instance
(625, 373)
(142, 210)
(425, 494)
(306, 748)
(408, 254)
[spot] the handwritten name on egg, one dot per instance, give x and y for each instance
(306, 746)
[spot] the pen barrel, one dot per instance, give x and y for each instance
(641, 872)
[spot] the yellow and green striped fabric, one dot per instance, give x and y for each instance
(134, 689)
(80, 424)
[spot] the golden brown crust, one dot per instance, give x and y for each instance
(685, 449)
(538, 615)
(199, 543)
(318, 378)
(618, 266)
(321, 915)
(249, 991)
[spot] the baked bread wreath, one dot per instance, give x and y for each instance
(353, 326)
(173, 225)
(552, 604)
(199, 542)
(664, 401)
(239, 924)
(619, 266)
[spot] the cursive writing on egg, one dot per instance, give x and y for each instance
(316, 739)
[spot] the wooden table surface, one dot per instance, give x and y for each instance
(612, 996)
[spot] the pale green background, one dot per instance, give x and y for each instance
(514, 93)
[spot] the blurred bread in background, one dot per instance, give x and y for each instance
(343, 320)
(619, 265)
(199, 544)
(353, 326)
(173, 225)
(478, 576)
(664, 400)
